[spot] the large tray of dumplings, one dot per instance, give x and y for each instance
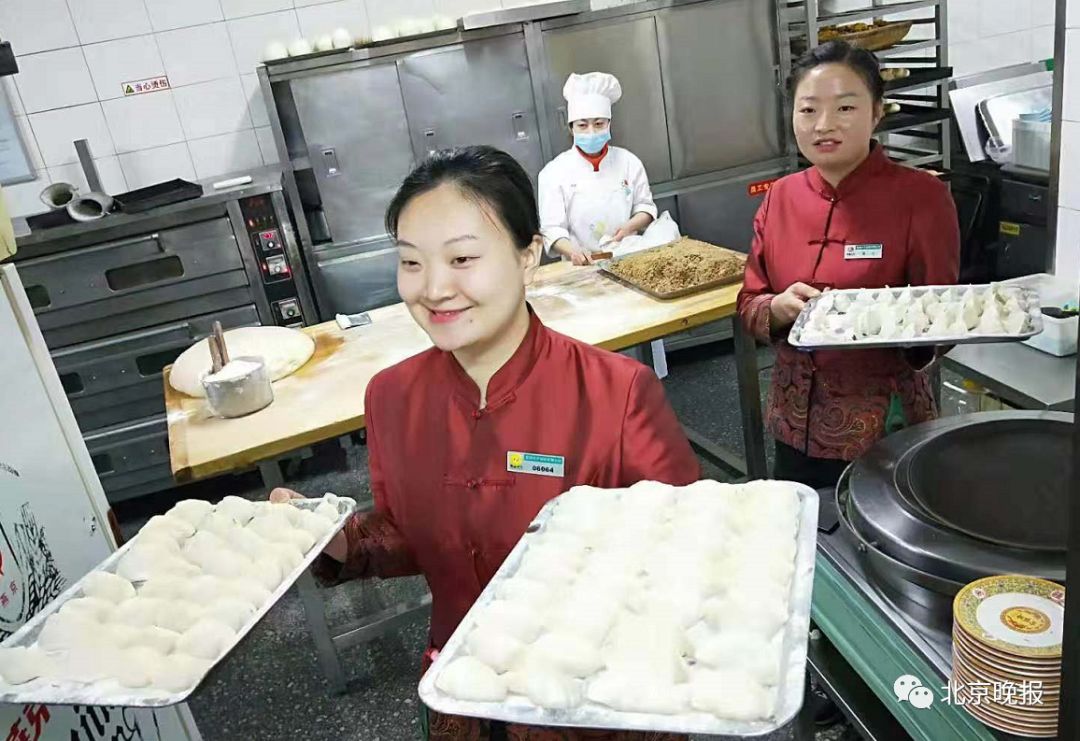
(679, 609)
(145, 627)
(914, 316)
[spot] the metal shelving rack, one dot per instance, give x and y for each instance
(924, 117)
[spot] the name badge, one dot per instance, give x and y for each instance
(535, 463)
(862, 251)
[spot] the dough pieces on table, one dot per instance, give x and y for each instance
(282, 349)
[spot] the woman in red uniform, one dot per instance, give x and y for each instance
(442, 425)
(854, 219)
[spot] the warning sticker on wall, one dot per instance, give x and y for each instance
(151, 85)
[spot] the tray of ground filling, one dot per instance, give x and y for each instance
(682, 267)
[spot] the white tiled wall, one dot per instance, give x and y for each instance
(74, 54)
(986, 34)
(1067, 262)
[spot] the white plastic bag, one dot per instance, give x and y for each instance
(662, 231)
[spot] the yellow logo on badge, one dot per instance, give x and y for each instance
(517, 460)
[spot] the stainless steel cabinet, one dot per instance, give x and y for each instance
(358, 144)
(627, 49)
(451, 99)
(720, 113)
(358, 277)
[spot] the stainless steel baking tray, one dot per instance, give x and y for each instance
(590, 715)
(605, 268)
(108, 691)
(1030, 296)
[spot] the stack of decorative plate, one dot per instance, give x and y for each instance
(1007, 633)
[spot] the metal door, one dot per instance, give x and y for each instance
(358, 144)
(132, 459)
(724, 213)
(358, 277)
(626, 49)
(722, 100)
(451, 101)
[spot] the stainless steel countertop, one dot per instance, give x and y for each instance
(1021, 375)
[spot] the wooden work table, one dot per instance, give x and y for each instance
(325, 398)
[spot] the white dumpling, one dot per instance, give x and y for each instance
(841, 301)
(316, 525)
(178, 615)
(528, 591)
(66, 631)
(1012, 305)
(763, 614)
(278, 529)
(93, 608)
(546, 688)
(267, 573)
(206, 639)
(192, 511)
(88, 663)
(732, 695)
(915, 317)
(742, 650)
(159, 639)
(174, 527)
(496, 649)
(591, 618)
(885, 297)
(971, 298)
(547, 572)
(868, 322)
(990, 321)
(119, 635)
(328, 512)
(969, 315)
(510, 618)
(106, 586)
(254, 594)
(908, 332)
(941, 327)
(21, 664)
(139, 612)
(137, 666)
(167, 587)
(239, 509)
(246, 541)
(219, 560)
(233, 612)
(864, 297)
(637, 692)
(1016, 322)
(204, 589)
(650, 645)
(568, 653)
(286, 555)
(143, 562)
(219, 524)
(180, 672)
(941, 312)
(467, 678)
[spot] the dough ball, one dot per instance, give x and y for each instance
(243, 540)
(637, 693)
(498, 650)
(179, 672)
(19, 664)
(178, 615)
(94, 608)
(233, 612)
(66, 631)
(140, 612)
(732, 695)
(106, 586)
(119, 635)
(277, 528)
(546, 688)
(286, 555)
(591, 618)
(239, 509)
(174, 527)
(745, 651)
(88, 663)
(649, 645)
(761, 614)
(467, 678)
(205, 588)
(510, 618)
(167, 587)
(157, 638)
(144, 562)
(192, 511)
(526, 591)
(137, 666)
(206, 639)
(219, 524)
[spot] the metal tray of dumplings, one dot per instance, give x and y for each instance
(516, 709)
(1030, 296)
(108, 691)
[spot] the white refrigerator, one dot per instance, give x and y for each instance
(53, 525)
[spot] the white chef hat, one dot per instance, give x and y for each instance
(590, 95)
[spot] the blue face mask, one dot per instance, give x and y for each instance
(592, 143)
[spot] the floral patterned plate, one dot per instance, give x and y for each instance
(1019, 615)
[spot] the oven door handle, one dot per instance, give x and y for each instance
(154, 237)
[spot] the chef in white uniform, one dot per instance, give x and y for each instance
(593, 193)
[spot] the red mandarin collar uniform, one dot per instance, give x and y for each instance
(833, 404)
(594, 159)
(445, 504)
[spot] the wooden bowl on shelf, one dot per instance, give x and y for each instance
(873, 38)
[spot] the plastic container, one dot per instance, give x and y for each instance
(1031, 144)
(1058, 337)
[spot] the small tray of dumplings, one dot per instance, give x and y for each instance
(915, 316)
(146, 626)
(655, 608)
